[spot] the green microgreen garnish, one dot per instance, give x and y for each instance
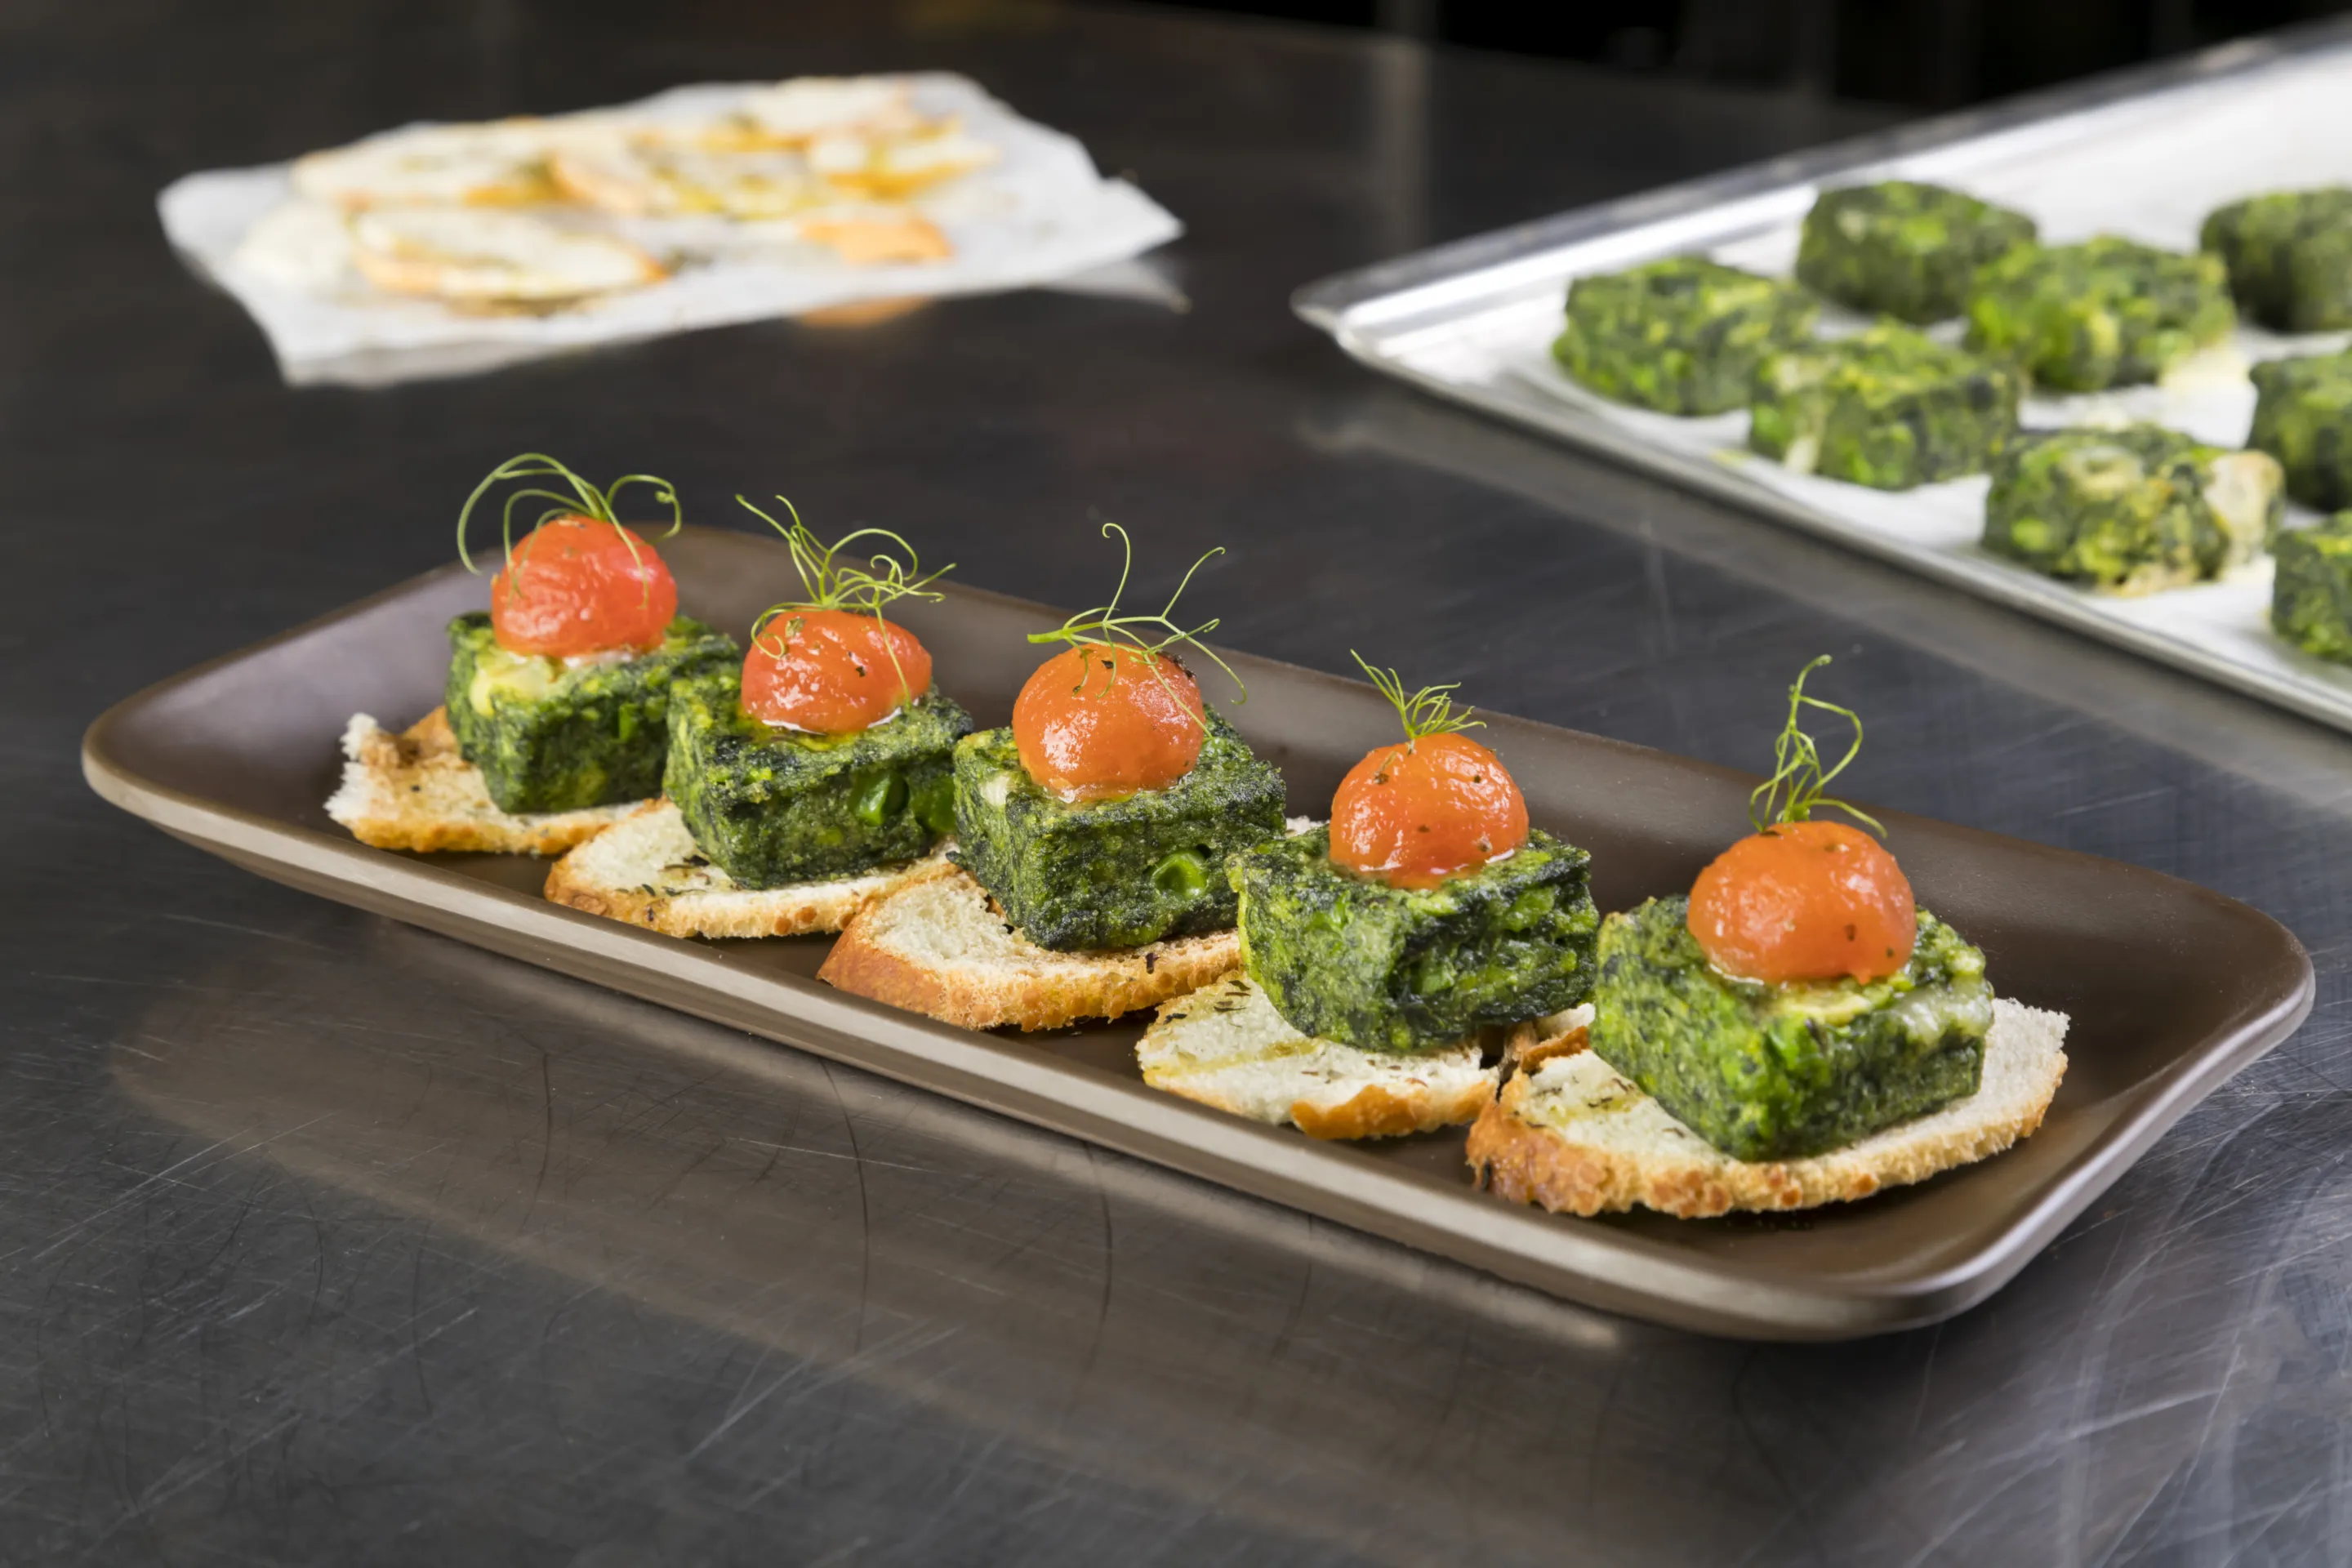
(1103, 624)
(1428, 711)
(829, 583)
(1797, 766)
(584, 500)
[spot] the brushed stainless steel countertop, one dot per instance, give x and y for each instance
(330, 1240)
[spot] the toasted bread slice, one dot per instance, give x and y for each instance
(640, 179)
(1579, 1138)
(1225, 1045)
(1530, 1044)
(498, 162)
(478, 256)
(645, 870)
(896, 170)
(413, 791)
(937, 945)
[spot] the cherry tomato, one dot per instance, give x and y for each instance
(1414, 815)
(832, 672)
(574, 587)
(1805, 901)
(1102, 720)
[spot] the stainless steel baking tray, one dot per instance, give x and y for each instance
(2146, 154)
(2171, 988)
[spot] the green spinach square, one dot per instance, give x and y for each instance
(773, 807)
(1074, 875)
(552, 734)
(1351, 958)
(1889, 407)
(2289, 255)
(2311, 593)
(2130, 510)
(2108, 312)
(2302, 416)
(1902, 249)
(1682, 335)
(1776, 1072)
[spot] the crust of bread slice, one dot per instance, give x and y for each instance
(645, 870)
(414, 791)
(1225, 1045)
(1530, 1044)
(1576, 1137)
(938, 946)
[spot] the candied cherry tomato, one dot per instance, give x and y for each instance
(832, 672)
(1415, 814)
(1805, 901)
(574, 586)
(1104, 719)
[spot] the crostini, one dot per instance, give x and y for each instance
(555, 717)
(1794, 1031)
(1384, 954)
(1091, 839)
(802, 781)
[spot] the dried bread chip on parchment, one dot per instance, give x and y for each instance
(639, 178)
(500, 163)
(469, 255)
(796, 111)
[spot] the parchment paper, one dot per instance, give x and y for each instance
(1040, 214)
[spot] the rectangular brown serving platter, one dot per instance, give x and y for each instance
(2171, 988)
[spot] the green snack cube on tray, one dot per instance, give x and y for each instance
(2108, 312)
(771, 807)
(1112, 873)
(2311, 594)
(2302, 416)
(1901, 249)
(1683, 335)
(1775, 1072)
(2129, 510)
(2289, 255)
(1889, 407)
(1348, 958)
(549, 736)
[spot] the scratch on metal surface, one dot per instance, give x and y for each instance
(164, 1175)
(1102, 1302)
(2205, 1431)
(864, 1216)
(1926, 1378)
(826, 1153)
(547, 1133)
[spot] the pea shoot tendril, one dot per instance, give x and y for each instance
(828, 583)
(1795, 790)
(1103, 626)
(1428, 711)
(584, 500)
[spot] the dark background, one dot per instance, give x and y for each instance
(1928, 54)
